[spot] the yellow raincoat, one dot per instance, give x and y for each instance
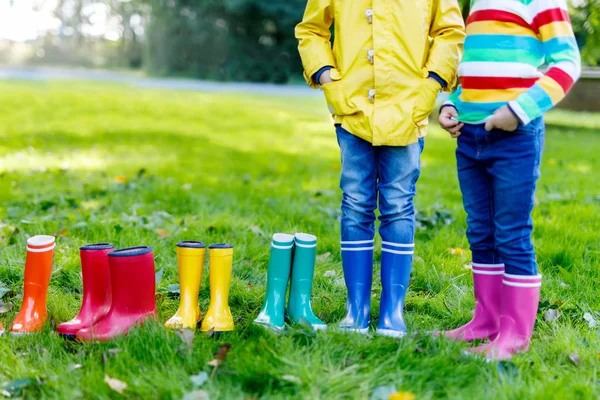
(382, 54)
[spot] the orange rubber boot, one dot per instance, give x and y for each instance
(38, 268)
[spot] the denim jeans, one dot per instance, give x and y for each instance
(378, 174)
(498, 172)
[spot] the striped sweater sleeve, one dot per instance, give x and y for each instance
(550, 20)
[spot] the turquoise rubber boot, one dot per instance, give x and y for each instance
(303, 271)
(272, 314)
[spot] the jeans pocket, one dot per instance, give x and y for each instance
(336, 98)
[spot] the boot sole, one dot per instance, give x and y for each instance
(361, 331)
(19, 334)
(390, 333)
(68, 336)
(270, 328)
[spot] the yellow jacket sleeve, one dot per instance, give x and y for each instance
(314, 38)
(448, 34)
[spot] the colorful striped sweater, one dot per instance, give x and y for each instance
(507, 43)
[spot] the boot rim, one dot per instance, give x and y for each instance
(97, 246)
(191, 244)
(220, 246)
(131, 251)
(41, 240)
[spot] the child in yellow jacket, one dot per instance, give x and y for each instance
(381, 78)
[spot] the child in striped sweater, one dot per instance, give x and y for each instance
(496, 114)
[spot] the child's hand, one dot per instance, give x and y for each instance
(503, 119)
(452, 126)
(428, 93)
(325, 78)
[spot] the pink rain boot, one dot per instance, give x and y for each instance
(487, 288)
(520, 298)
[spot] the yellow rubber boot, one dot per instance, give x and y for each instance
(219, 316)
(190, 263)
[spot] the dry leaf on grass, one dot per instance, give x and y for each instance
(196, 395)
(5, 307)
(402, 396)
(163, 233)
(575, 359)
(551, 315)
(292, 379)
(115, 384)
(221, 354)
(457, 251)
(186, 336)
(121, 179)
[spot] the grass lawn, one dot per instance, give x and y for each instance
(237, 168)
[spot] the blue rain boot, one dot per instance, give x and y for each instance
(396, 264)
(357, 261)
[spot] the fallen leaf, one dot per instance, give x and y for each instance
(223, 351)
(402, 396)
(114, 352)
(120, 179)
(163, 233)
(158, 276)
(221, 354)
(5, 307)
(592, 322)
(457, 251)
(383, 392)
(186, 336)
(3, 291)
(200, 379)
(551, 315)
(292, 379)
(196, 395)
(73, 367)
(323, 257)
(173, 289)
(62, 232)
(329, 274)
(15, 387)
(115, 384)
(250, 286)
(575, 359)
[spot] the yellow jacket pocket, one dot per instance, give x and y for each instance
(336, 99)
(425, 101)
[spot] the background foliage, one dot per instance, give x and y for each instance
(233, 40)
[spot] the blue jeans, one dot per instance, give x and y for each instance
(371, 173)
(498, 172)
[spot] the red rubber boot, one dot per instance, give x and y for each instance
(96, 289)
(133, 286)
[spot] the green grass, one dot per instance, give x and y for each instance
(237, 168)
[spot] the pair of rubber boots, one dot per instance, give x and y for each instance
(118, 292)
(396, 265)
(190, 264)
(505, 311)
(292, 256)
